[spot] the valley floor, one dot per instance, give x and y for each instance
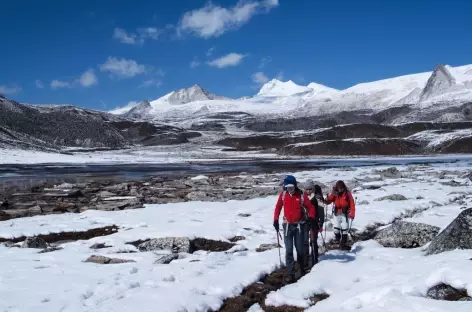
(368, 278)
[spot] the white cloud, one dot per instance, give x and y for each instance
(124, 37)
(232, 59)
(149, 33)
(88, 78)
(210, 51)
(122, 68)
(259, 78)
(9, 90)
(213, 20)
(57, 84)
(39, 84)
(194, 64)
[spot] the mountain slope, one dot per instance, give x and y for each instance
(279, 88)
(186, 95)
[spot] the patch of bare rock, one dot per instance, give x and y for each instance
(106, 260)
(114, 195)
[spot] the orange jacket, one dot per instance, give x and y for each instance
(343, 201)
(292, 207)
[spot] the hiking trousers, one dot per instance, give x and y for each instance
(294, 236)
(341, 225)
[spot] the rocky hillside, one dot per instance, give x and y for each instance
(55, 127)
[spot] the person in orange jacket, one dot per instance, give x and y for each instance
(299, 215)
(344, 209)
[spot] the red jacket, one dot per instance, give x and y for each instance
(292, 207)
(343, 201)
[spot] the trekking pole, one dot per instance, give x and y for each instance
(278, 246)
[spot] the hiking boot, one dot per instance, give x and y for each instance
(337, 238)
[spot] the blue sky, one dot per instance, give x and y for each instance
(102, 55)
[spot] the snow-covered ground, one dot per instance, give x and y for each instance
(370, 278)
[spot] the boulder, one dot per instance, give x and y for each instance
(166, 259)
(265, 247)
(406, 235)
(394, 197)
(34, 242)
(106, 260)
(446, 292)
(197, 196)
(174, 244)
(457, 235)
(390, 173)
(99, 246)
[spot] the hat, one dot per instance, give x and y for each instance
(290, 181)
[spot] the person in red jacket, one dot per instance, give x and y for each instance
(299, 215)
(344, 209)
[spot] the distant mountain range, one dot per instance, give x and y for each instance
(279, 109)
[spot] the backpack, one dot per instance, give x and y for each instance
(302, 205)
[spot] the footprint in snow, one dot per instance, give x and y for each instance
(87, 295)
(45, 300)
(169, 279)
(133, 271)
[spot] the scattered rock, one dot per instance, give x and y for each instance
(265, 247)
(434, 204)
(446, 292)
(197, 196)
(390, 173)
(210, 245)
(34, 242)
(75, 194)
(174, 244)
(106, 260)
(465, 299)
(419, 197)
(4, 216)
(237, 239)
(244, 215)
(10, 244)
(406, 235)
(371, 187)
(394, 197)
(453, 183)
(50, 249)
(166, 259)
(106, 194)
(363, 202)
(457, 235)
(99, 246)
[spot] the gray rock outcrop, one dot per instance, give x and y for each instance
(34, 242)
(106, 260)
(446, 292)
(406, 235)
(174, 244)
(166, 259)
(457, 235)
(394, 197)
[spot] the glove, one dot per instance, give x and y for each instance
(276, 225)
(351, 217)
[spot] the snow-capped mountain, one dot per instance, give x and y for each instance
(186, 95)
(140, 111)
(277, 88)
(444, 87)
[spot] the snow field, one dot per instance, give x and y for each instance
(368, 279)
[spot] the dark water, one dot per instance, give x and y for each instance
(26, 176)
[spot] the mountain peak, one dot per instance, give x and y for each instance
(276, 87)
(139, 111)
(440, 80)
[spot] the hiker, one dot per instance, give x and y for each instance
(344, 209)
(314, 193)
(299, 213)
